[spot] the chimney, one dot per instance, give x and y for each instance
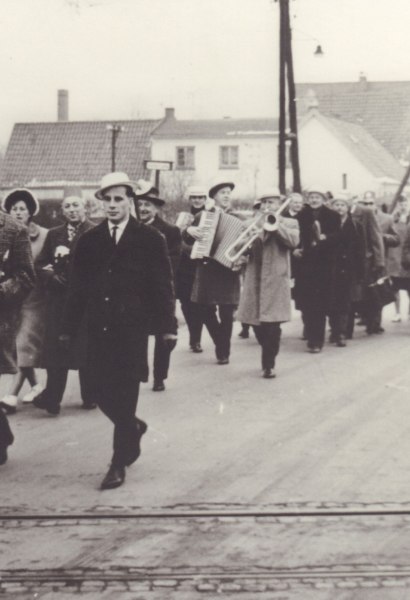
(62, 106)
(169, 113)
(362, 81)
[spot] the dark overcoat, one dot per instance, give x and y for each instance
(348, 268)
(314, 279)
(185, 274)
(373, 242)
(122, 289)
(172, 236)
(17, 279)
(54, 273)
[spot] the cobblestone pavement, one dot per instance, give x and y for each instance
(208, 556)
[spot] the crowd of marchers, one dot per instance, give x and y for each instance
(87, 297)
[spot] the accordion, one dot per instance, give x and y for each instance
(221, 230)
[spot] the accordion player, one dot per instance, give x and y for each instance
(216, 286)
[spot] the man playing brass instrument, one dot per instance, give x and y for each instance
(265, 299)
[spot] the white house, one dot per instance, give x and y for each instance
(333, 153)
(240, 150)
(342, 155)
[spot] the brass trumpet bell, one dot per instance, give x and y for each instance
(271, 222)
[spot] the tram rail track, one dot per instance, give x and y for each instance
(99, 566)
(202, 514)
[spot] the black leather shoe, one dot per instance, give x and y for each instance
(268, 374)
(114, 478)
(223, 361)
(158, 386)
(41, 401)
(134, 454)
(196, 348)
(243, 334)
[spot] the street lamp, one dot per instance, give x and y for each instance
(115, 130)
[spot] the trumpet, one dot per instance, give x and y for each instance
(265, 222)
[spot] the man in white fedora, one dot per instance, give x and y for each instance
(122, 281)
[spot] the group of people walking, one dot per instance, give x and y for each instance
(87, 297)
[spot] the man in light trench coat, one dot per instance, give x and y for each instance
(265, 298)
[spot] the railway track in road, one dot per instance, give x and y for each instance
(101, 569)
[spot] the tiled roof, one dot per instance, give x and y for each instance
(377, 159)
(382, 107)
(74, 151)
(216, 128)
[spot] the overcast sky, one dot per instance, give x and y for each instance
(123, 59)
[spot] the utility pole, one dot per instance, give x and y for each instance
(286, 75)
(115, 130)
(282, 99)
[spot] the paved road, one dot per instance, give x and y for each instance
(331, 432)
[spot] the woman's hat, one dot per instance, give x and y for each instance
(218, 186)
(113, 180)
(23, 194)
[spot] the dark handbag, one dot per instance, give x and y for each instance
(382, 292)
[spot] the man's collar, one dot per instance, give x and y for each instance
(150, 222)
(121, 225)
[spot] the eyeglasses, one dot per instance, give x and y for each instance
(370, 203)
(197, 197)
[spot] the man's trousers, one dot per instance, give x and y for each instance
(268, 336)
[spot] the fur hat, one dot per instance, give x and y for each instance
(23, 194)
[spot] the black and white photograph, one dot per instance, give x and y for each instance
(205, 300)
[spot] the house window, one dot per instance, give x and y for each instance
(185, 157)
(228, 157)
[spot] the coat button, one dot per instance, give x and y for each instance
(107, 299)
(105, 328)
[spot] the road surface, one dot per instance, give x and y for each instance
(233, 491)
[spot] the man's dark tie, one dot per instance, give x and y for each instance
(114, 234)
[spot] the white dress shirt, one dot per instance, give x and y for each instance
(120, 228)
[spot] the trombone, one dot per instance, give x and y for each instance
(265, 222)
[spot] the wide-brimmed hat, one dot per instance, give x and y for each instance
(152, 198)
(268, 193)
(218, 186)
(21, 194)
(144, 190)
(196, 190)
(113, 180)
